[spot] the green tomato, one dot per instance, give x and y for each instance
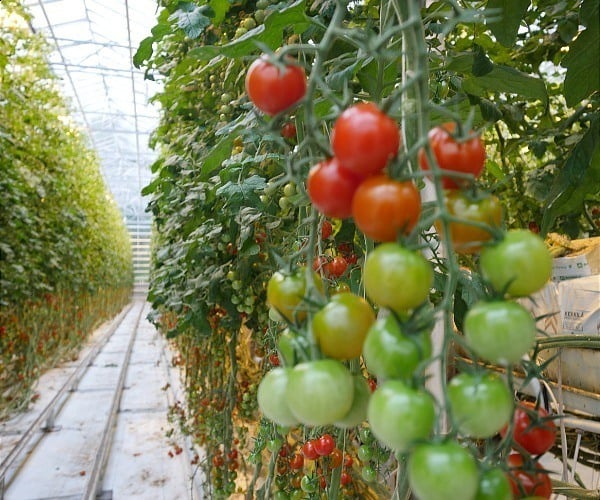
(365, 453)
(389, 353)
(341, 326)
(360, 402)
(320, 392)
(443, 471)
(399, 415)
(519, 265)
(368, 473)
(272, 397)
(286, 347)
(499, 331)
(494, 485)
(481, 404)
(285, 293)
(396, 277)
(308, 484)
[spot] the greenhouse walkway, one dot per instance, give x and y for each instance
(99, 427)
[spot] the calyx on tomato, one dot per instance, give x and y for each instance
(533, 429)
(475, 213)
(391, 351)
(518, 265)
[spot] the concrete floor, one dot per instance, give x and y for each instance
(142, 462)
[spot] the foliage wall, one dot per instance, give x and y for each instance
(229, 196)
(60, 227)
(62, 237)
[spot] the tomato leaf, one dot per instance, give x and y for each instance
(242, 193)
(579, 177)
(583, 73)
(191, 18)
(269, 34)
(509, 80)
(511, 14)
(220, 8)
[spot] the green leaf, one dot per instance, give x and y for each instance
(509, 80)
(583, 71)
(217, 155)
(481, 62)
(270, 34)
(579, 176)
(242, 193)
(511, 14)
(191, 18)
(144, 51)
(220, 8)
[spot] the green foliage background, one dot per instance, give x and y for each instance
(59, 227)
(65, 255)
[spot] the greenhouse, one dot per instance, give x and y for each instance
(314, 250)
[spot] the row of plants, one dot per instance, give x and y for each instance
(65, 256)
(381, 168)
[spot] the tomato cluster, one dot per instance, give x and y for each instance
(352, 183)
(334, 342)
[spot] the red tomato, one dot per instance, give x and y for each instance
(364, 139)
(337, 267)
(309, 451)
(335, 458)
(525, 482)
(345, 479)
(273, 89)
(331, 188)
(382, 207)
(466, 157)
(288, 130)
(326, 230)
(297, 461)
(325, 445)
(531, 430)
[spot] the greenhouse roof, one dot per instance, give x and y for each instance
(94, 42)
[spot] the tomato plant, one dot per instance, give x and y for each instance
(364, 139)
(390, 352)
(481, 404)
(499, 331)
(481, 209)
(519, 265)
(439, 471)
(399, 416)
(528, 478)
(341, 326)
(273, 88)
(532, 429)
(396, 277)
(331, 188)
(320, 392)
(383, 208)
(454, 154)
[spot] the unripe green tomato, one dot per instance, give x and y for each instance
(248, 23)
